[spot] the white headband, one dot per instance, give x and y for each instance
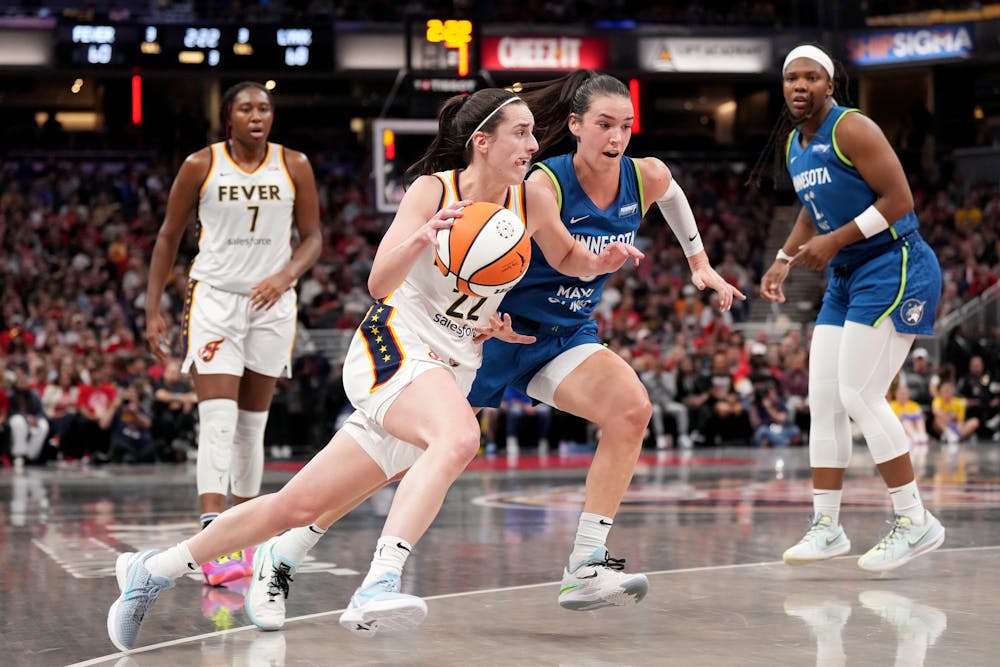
(812, 53)
(490, 115)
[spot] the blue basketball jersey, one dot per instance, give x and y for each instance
(833, 192)
(547, 296)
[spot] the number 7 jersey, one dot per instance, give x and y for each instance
(245, 221)
(430, 304)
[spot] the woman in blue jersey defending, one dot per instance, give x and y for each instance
(857, 217)
(602, 196)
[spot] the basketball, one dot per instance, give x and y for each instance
(487, 250)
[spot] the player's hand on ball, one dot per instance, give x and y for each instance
(441, 220)
(502, 328)
(616, 254)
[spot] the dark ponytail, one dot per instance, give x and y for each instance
(551, 102)
(458, 119)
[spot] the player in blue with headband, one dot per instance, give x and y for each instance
(857, 218)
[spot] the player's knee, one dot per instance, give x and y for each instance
(217, 419)
(459, 448)
(632, 418)
(287, 510)
(855, 401)
(247, 469)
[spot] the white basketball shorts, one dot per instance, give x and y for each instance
(224, 335)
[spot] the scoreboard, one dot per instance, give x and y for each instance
(202, 46)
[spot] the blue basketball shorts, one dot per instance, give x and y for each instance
(902, 284)
(514, 364)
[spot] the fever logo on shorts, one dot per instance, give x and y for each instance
(207, 351)
(912, 311)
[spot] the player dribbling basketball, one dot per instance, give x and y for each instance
(482, 151)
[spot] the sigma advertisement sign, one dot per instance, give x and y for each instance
(904, 45)
(544, 53)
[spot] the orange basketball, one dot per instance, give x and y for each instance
(487, 250)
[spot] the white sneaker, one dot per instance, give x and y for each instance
(380, 606)
(903, 543)
(139, 590)
(823, 540)
(601, 582)
(265, 600)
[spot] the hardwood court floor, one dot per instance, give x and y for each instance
(709, 529)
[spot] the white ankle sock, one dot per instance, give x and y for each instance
(827, 501)
(390, 556)
(591, 534)
(293, 546)
(172, 563)
(906, 502)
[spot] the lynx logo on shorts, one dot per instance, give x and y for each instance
(912, 311)
(207, 351)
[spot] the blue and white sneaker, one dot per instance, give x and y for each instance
(903, 543)
(265, 601)
(380, 606)
(601, 582)
(139, 591)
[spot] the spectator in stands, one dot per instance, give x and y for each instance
(950, 421)
(982, 396)
(909, 413)
(969, 216)
(91, 435)
(769, 417)
(727, 421)
(4, 425)
(921, 380)
(131, 439)
(795, 388)
(174, 401)
(26, 420)
(60, 400)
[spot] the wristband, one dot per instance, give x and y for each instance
(871, 222)
(783, 256)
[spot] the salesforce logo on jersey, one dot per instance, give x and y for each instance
(247, 242)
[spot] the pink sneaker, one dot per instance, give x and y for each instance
(233, 566)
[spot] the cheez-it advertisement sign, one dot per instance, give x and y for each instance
(544, 53)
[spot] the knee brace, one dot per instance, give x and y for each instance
(876, 357)
(247, 462)
(829, 428)
(217, 426)
(883, 432)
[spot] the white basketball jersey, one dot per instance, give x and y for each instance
(431, 305)
(245, 221)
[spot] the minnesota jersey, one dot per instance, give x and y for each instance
(245, 221)
(429, 304)
(832, 190)
(544, 294)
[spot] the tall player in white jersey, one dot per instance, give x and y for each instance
(481, 153)
(240, 311)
